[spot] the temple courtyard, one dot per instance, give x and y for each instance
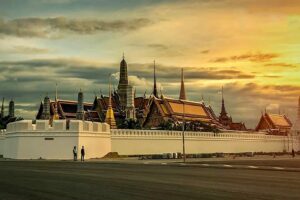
(246, 178)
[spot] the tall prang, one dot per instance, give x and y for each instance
(154, 92)
(123, 83)
(182, 95)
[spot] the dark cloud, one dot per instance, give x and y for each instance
(272, 76)
(280, 65)
(29, 50)
(258, 57)
(205, 51)
(158, 46)
(92, 71)
(57, 26)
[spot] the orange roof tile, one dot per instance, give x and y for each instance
(188, 109)
(279, 120)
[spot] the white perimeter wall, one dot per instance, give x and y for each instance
(24, 140)
(139, 142)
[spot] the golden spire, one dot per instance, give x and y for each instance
(110, 117)
(55, 115)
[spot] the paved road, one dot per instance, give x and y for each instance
(68, 180)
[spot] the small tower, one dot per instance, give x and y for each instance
(130, 109)
(80, 108)
(224, 118)
(155, 93)
(2, 109)
(110, 117)
(182, 95)
(46, 108)
(11, 111)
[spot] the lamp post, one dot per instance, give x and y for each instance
(183, 134)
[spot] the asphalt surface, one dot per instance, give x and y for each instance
(121, 181)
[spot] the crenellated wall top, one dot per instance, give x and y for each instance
(57, 126)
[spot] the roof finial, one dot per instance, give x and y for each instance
(161, 93)
(123, 55)
(56, 91)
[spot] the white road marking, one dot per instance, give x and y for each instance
(205, 165)
(182, 164)
(227, 165)
(163, 163)
(146, 163)
(253, 167)
(278, 168)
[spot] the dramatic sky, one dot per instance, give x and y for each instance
(251, 47)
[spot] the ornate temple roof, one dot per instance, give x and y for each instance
(278, 122)
(67, 110)
(178, 109)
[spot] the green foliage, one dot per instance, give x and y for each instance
(129, 124)
(167, 125)
(189, 126)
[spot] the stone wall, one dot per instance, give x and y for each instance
(140, 142)
(24, 140)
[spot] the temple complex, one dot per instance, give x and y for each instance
(149, 112)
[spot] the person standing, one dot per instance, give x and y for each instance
(74, 153)
(82, 154)
(293, 153)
